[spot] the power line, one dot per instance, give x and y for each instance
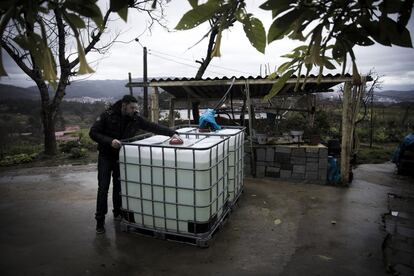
(182, 63)
(221, 67)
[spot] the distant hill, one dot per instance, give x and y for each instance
(90, 88)
(115, 89)
(14, 92)
(393, 95)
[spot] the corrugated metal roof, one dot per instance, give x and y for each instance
(213, 88)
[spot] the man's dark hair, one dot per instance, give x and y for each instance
(129, 99)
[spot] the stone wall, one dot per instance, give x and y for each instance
(308, 163)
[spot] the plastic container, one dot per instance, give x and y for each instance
(261, 139)
(174, 188)
(236, 154)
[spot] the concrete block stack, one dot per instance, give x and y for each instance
(308, 163)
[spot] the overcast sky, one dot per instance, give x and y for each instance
(170, 55)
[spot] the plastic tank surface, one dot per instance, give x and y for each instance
(236, 154)
(174, 188)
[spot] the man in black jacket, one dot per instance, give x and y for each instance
(120, 121)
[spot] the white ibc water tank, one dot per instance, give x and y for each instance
(175, 188)
(236, 154)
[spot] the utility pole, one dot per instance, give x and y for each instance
(130, 80)
(145, 84)
(371, 127)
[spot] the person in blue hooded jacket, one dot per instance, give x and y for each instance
(406, 144)
(207, 120)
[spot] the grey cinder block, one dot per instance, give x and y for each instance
(313, 167)
(281, 157)
(298, 175)
(285, 173)
(298, 169)
(312, 150)
(273, 172)
(323, 152)
(323, 174)
(323, 163)
(283, 150)
(260, 171)
(260, 154)
(298, 160)
(299, 152)
(312, 175)
(312, 155)
(270, 154)
(312, 160)
(286, 166)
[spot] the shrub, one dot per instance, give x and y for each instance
(18, 159)
(77, 153)
(66, 147)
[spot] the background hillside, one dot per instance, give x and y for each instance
(115, 89)
(96, 89)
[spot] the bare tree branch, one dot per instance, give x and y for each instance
(18, 60)
(95, 39)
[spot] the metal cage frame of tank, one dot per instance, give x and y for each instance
(197, 237)
(239, 148)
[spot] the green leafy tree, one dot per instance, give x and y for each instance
(37, 35)
(330, 30)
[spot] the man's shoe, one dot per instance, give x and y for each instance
(117, 217)
(100, 229)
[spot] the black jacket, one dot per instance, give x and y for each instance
(111, 124)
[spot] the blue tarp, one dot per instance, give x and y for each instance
(407, 141)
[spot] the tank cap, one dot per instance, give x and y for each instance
(175, 140)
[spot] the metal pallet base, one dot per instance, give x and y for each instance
(233, 203)
(196, 240)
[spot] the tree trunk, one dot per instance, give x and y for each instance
(48, 119)
(49, 132)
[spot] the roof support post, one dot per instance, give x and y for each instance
(171, 115)
(189, 109)
(155, 109)
(346, 134)
(252, 152)
(350, 109)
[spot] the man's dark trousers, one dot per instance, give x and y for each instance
(108, 165)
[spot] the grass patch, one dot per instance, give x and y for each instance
(379, 153)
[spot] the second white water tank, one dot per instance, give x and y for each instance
(236, 154)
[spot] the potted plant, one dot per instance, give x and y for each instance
(314, 135)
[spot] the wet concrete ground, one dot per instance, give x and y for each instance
(279, 228)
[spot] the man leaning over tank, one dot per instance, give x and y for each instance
(118, 122)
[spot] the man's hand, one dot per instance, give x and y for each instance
(116, 144)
